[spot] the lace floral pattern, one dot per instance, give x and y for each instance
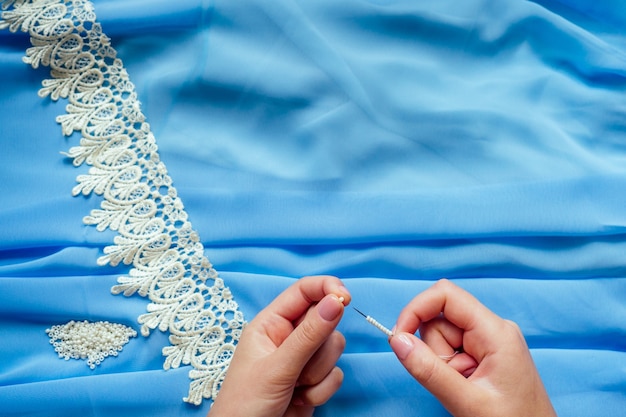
(154, 236)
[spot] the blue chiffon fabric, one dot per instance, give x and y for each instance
(390, 143)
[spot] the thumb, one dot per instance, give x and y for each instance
(311, 333)
(443, 381)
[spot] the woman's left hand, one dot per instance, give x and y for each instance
(285, 361)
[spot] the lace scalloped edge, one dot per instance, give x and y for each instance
(187, 297)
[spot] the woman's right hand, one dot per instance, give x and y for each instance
(493, 373)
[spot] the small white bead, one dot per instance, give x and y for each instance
(89, 341)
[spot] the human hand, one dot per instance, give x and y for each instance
(494, 373)
(284, 364)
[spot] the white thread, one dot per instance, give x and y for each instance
(448, 358)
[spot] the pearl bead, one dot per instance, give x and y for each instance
(89, 341)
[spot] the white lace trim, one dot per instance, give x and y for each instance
(187, 298)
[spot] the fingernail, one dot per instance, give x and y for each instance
(330, 307)
(402, 345)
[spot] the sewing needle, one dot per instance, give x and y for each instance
(375, 323)
(389, 333)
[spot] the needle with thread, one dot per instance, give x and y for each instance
(371, 320)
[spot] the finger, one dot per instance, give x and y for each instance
(294, 302)
(443, 337)
(320, 393)
(446, 340)
(318, 324)
(463, 364)
(323, 361)
(459, 307)
(435, 375)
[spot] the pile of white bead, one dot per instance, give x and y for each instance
(89, 341)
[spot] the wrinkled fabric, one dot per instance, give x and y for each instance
(390, 143)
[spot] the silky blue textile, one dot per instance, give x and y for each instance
(390, 143)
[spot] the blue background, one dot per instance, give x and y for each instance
(389, 143)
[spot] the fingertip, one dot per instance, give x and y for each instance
(331, 285)
(402, 344)
(342, 293)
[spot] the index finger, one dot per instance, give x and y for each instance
(295, 301)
